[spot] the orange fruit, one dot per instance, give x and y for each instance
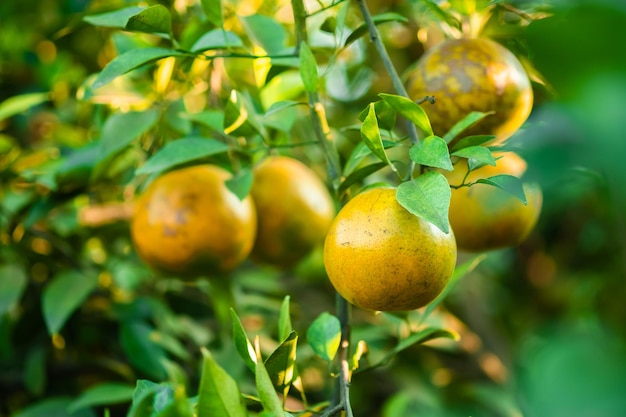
(294, 210)
(379, 256)
(485, 217)
(466, 75)
(187, 223)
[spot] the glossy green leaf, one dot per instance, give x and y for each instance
(213, 119)
(281, 364)
(422, 336)
(18, 104)
(150, 398)
(378, 19)
(63, 295)
(154, 19)
(121, 129)
(115, 19)
(141, 351)
(242, 343)
(428, 197)
(130, 60)
(359, 175)
(218, 394)
(370, 134)
(465, 123)
(241, 183)
(508, 183)
(459, 272)
(214, 12)
(267, 33)
(181, 151)
(324, 336)
(474, 140)
(409, 110)
(13, 282)
(385, 114)
(272, 405)
(103, 394)
(479, 154)
(431, 151)
(308, 68)
(284, 320)
(217, 39)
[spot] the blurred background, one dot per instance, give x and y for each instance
(541, 325)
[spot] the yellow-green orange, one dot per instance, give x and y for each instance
(485, 217)
(466, 75)
(187, 223)
(379, 256)
(294, 210)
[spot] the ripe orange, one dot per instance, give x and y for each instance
(466, 75)
(187, 223)
(485, 217)
(294, 210)
(379, 256)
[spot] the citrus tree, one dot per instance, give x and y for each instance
(237, 208)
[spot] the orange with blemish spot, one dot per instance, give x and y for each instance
(187, 223)
(490, 77)
(379, 256)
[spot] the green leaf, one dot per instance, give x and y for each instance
(465, 123)
(130, 60)
(508, 183)
(150, 398)
(479, 154)
(474, 140)
(308, 68)
(370, 134)
(217, 39)
(324, 336)
(266, 32)
(35, 370)
(64, 294)
(431, 151)
(17, 104)
(459, 272)
(141, 351)
(240, 183)
(181, 151)
(441, 15)
(281, 363)
(212, 119)
(359, 175)
(422, 336)
(121, 129)
(115, 19)
(13, 282)
(428, 197)
(52, 407)
(378, 19)
(284, 320)
(214, 12)
(242, 343)
(267, 394)
(409, 110)
(154, 19)
(103, 394)
(219, 395)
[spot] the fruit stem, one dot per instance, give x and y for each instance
(396, 81)
(343, 313)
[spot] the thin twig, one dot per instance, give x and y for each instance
(391, 71)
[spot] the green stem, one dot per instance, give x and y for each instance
(389, 67)
(322, 135)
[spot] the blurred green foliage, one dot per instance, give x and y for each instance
(86, 327)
